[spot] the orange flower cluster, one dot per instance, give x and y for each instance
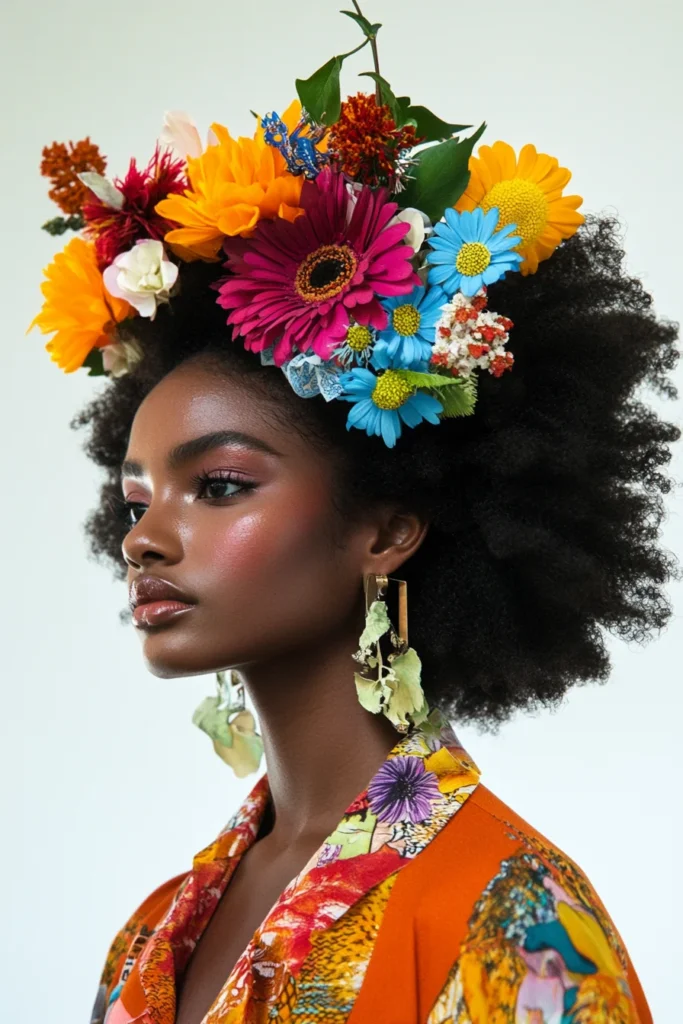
(61, 163)
(78, 310)
(367, 142)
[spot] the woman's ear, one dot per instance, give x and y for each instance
(397, 537)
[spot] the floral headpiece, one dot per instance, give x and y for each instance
(358, 239)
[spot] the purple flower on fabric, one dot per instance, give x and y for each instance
(329, 853)
(403, 791)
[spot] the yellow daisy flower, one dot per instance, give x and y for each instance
(528, 193)
(233, 184)
(77, 308)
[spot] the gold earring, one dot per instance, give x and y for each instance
(231, 727)
(394, 687)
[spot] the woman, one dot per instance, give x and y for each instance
(370, 875)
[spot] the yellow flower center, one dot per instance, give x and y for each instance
(391, 391)
(522, 203)
(473, 258)
(358, 338)
(406, 320)
(325, 273)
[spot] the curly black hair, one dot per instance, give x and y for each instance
(545, 506)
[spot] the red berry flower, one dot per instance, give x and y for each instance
(366, 141)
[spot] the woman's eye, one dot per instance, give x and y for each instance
(217, 487)
(212, 487)
(133, 513)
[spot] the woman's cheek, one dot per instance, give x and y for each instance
(272, 539)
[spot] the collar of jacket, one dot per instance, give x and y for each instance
(424, 781)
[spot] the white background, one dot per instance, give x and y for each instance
(107, 788)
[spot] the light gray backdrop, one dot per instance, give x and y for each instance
(107, 788)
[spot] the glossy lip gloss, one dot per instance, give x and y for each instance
(154, 613)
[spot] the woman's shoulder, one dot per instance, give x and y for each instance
(130, 940)
(531, 931)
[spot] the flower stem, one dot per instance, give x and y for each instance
(375, 55)
(362, 45)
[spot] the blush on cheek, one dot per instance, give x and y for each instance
(272, 541)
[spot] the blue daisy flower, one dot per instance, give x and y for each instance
(357, 346)
(407, 340)
(468, 252)
(383, 402)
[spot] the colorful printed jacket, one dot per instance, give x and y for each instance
(431, 902)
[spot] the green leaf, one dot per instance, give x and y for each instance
(58, 225)
(376, 624)
(213, 721)
(385, 93)
(93, 362)
(440, 176)
(406, 696)
(320, 94)
(427, 380)
(369, 693)
(245, 750)
(458, 401)
(458, 395)
(354, 835)
(427, 125)
(421, 715)
(370, 31)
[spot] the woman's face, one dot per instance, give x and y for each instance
(242, 524)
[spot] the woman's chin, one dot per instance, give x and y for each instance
(168, 654)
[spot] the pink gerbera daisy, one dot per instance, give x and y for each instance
(297, 284)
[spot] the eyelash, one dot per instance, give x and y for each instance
(124, 509)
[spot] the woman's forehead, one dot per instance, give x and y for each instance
(194, 402)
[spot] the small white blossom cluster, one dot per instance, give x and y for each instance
(470, 337)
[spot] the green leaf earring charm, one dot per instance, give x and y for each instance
(392, 687)
(231, 727)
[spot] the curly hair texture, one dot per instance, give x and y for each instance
(545, 506)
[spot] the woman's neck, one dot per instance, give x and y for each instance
(322, 748)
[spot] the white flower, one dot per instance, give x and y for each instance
(469, 337)
(180, 133)
(142, 276)
(420, 226)
(121, 357)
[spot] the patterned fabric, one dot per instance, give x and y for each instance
(486, 923)
(538, 950)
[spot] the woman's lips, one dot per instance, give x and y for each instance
(154, 613)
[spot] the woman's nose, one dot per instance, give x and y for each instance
(154, 537)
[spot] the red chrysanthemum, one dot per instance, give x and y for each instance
(296, 285)
(116, 231)
(366, 141)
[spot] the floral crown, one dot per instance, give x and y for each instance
(358, 240)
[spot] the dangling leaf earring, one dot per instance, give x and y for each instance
(390, 685)
(231, 727)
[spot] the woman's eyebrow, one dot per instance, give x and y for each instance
(182, 453)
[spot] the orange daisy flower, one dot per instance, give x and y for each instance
(528, 193)
(233, 184)
(77, 309)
